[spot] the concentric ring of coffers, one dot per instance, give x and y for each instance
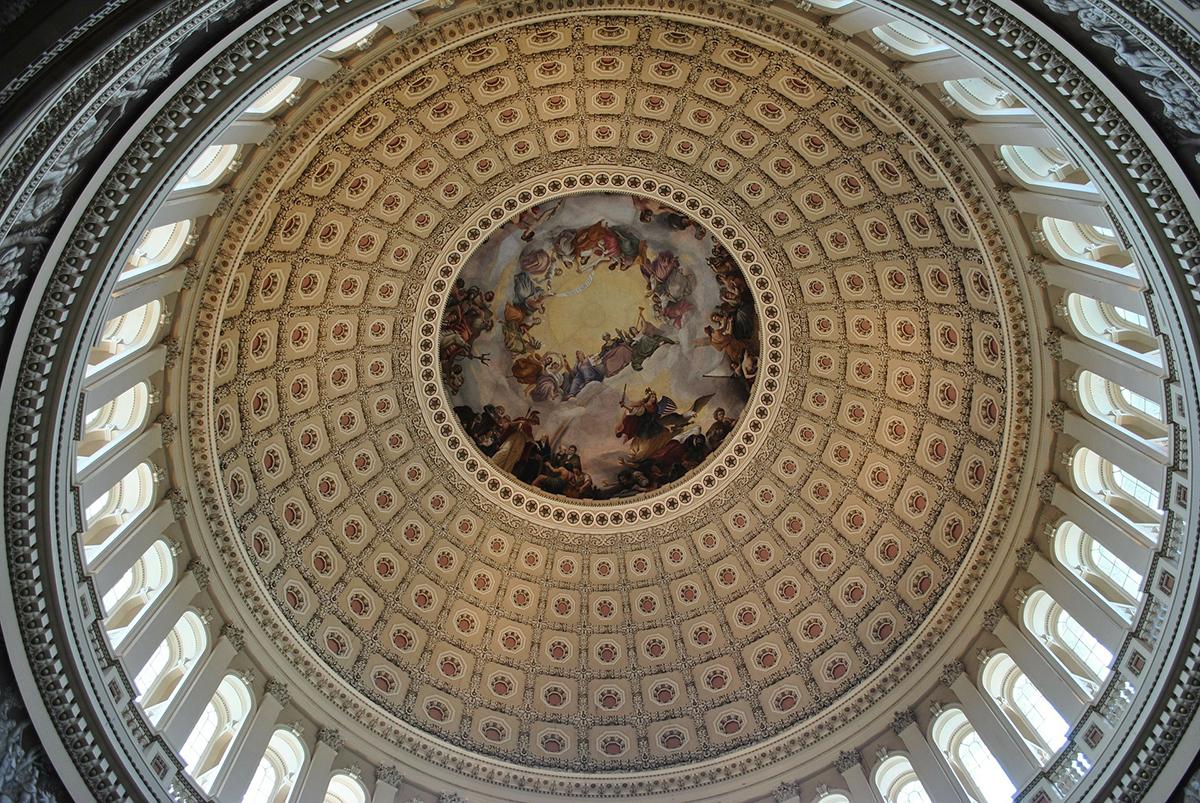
(763, 607)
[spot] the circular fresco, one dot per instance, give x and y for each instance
(599, 346)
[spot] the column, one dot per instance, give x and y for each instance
(127, 373)
(387, 784)
(98, 476)
(1049, 681)
(185, 207)
(141, 642)
(1124, 367)
(244, 132)
(400, 21)
(129, 545)
(1117, 286)
(1098, 621)
(1116, 536)
(1091, 210)
(1011, 134)
(1068, 192)
(1145, 463)
(317, 69)
(938, 785)
(859, 20)
(234, 779)
(1009, 750)
(198, 688)
(849, 764)
(158, 285)
(314, 780)
(948, 68)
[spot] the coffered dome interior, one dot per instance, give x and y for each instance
(611, 399)
(667, 617)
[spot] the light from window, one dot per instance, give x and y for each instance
(1139, 402)
(352, 39)
(1039, 713)
(263, 783)
(344, 789)
(157, 247)
(201, 735)
(101, 503)
(1090, 652)
(1129, 316)
(984, 770)
(912, 792)
(1115, 569)
(208, 166)
(153, 668)
(1136, 488)
(897, 781)
(274, 97)
(114, 595)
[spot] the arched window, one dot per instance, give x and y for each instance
(274, 98)
(908, 40)
(1040, 166)
(352, 40)
(209, 168)
(263, 783)
(832, 797)
(111, 424)
(114, 510)
(124, 336)
(344, 788)
(1030, 713)
(1082, 243)
(1120, 409)
(135, 591)
(1132, 500)
(152, 669)
(201, 736)
(897, 781)
(972, 762)
(208, 744)
(982, 98)
(158, 248)
(1106, 575)
(160, 680)
(275, 779)
(1118, 329)
(1076, 650)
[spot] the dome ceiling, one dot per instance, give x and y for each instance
(603, 206)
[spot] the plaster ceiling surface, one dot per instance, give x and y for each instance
(765, 593)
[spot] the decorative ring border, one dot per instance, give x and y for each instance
(677, 498)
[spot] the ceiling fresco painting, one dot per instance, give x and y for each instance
(599, 346)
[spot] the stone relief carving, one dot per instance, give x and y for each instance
(22, 776)
(1165, 81)
(33, 228)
